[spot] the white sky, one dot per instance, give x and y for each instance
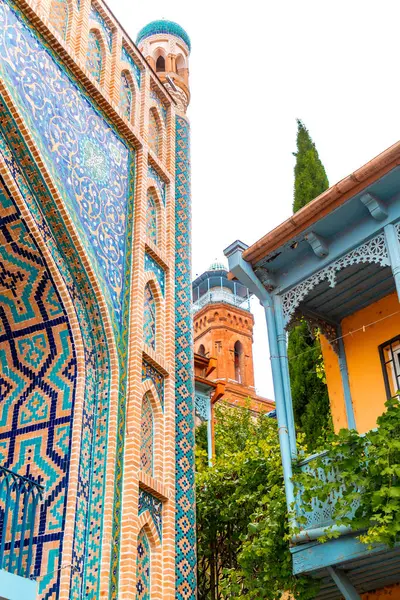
(255, 66)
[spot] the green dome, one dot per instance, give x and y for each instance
(162, 26)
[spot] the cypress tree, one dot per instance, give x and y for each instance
(309, 392)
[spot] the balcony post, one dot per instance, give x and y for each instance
(344, 584)
(284, 364)
(393, 248)
(351, 422)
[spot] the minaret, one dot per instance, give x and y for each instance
(166, 47)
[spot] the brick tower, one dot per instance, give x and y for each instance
(223, 331)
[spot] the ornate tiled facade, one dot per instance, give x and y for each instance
(86, 345)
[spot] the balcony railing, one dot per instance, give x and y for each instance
(221, 296)
(19, 501)
(318, 514)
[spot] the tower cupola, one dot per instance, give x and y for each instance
(214, 286)
(166, 47)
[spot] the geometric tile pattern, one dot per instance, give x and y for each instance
(126, 57)
(94, 56)
(89, 163)
(154, 133)
(149, 317)
(147, 437)
(151, 265)
(148, 502)
(149, 372)
(163, 109)
(125, 96)
(185, 540)
(152, 174)
(59, 16)
(143, 567)
(151, 218)
(37, 377)
(95, 16)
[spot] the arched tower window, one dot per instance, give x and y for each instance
(143, 567)
(147, 437)
(59, 16)
(154, 132)
(238, 358)
(151, 217)
(180, 64)
(126, 95)
(202, 350)
(149, 317)
(160, 64)
(94, 56)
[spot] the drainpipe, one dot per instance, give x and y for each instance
(393, 248)
(244, 272)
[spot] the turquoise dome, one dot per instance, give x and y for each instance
(162, 26)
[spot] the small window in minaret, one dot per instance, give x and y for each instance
(160, 64)
(238, 353)
(202, 350)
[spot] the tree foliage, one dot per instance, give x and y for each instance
(243, 550)
(309, 391)
(310, 178)
(360, 477)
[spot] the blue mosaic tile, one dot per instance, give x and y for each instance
(154, 506)
(160, 184)
(149, 372)
(151, 265)
(96, 16)
(126, 57)
(143, 567)
(87, 160)
(185, 535)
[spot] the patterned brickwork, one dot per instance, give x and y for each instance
(154, 506)
(149, 372)
(143, 582)
(154, 133)
(59, 16)
(80, 149)
(185, 485)
(38, 376)
(161, 105)
(149, 317)
(151, 265)
(50, 558)
(147, 437)
(151, 218)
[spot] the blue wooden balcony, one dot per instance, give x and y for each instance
(331, 263)
(20, 498)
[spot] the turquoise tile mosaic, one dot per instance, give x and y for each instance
(151, 265)
(126, 57)
(105, 28)
(143, 568)
(147, 437)
(149, 372)
(148, 502)
(185, 539)
(159, 183)
(89, 163)
(149, 317)
(94, 56)
(125, 96)
(151, 218)
(58, 17)
(161, 105)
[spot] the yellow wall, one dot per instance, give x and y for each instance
(367, 385)
(388, 593)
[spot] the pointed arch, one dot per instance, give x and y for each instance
(238, 361)
(59, 16)
(180, 64)
(156, 132)
(95, 55)
(152, 217)
(127, 95)
(148, 529)
(153, 314)
(150, 399)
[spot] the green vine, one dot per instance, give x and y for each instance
(360, 476)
